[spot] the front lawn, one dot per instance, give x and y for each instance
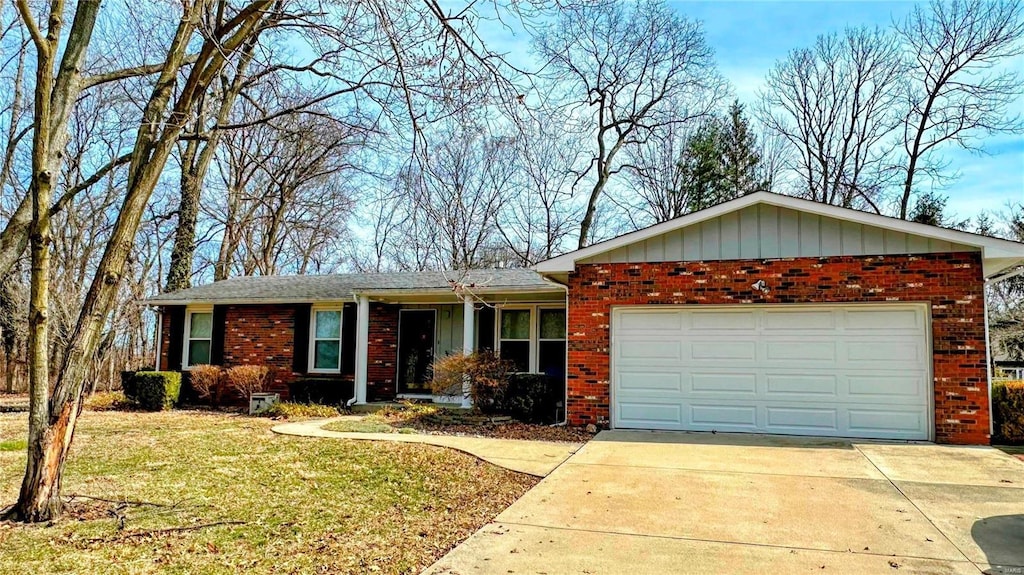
(202, 492)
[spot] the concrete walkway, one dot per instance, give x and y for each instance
(537, 458)
(643, 502)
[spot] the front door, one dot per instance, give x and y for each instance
(415, 350)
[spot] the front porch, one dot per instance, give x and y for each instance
(399, 335)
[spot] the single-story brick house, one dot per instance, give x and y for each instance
(765, 314)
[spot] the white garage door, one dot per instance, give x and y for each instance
(847, 371)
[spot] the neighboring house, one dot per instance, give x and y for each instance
(1006, 368)
(765, 314)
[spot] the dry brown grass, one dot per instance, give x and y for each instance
(280, 504)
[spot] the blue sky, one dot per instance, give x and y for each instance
(749, 37)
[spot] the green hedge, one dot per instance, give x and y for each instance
(153, 390)
(1008, 411)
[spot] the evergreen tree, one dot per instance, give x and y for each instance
(739, 160)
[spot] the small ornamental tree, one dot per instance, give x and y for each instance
(487, 374)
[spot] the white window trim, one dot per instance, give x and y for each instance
(186, 337)
(535, 338)
(311, 366)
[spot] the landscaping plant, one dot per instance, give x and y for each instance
(1008, 411)
(487, 374)
(248, 379)
(206, 381)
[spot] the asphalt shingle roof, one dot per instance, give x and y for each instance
(339, 287)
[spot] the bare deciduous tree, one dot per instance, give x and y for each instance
(958, 85)
(837, 104)
(624, 71)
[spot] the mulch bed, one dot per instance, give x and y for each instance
(482, 426)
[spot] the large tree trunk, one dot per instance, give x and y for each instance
(179, 273)
(195, 165)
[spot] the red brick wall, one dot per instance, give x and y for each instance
(382, 353)
(951, 283)
(265, 334)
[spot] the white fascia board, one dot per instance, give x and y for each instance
(992, 248)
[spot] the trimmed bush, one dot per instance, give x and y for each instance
(320, 391)
(107, 401)
(154, 390)
(247, 379)
(206, 381)
(126, 380)
(1008, 411)
(533, 397)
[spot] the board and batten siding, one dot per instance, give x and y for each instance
(768, 232)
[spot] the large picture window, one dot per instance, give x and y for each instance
(533, 339)
(325, 348)
(199, 340)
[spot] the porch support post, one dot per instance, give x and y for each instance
(362, 346)
(467, 343)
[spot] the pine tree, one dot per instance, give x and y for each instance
(739, 157)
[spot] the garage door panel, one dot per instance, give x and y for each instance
(648, 349)
(651, 320)
(646, 381)
(882, 421)
(807, 351)
(810, 370)
(723, 320)
(644, 414)
(824, 385)
(789, 320)
(893, 319)
(728, 384)
(806, 419)
(716, 414)
(864, 387)
(742, 350)
(876, 352)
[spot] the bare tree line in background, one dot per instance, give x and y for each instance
(267, 137)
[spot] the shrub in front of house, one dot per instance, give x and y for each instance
(487, 374)
(1008, 411)
(247, 379)
(533, 398)
(207, 382)
(320, 391)
(154, 390)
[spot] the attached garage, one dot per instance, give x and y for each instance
(849, 371)
(774, 314)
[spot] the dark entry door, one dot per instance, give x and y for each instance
(415, 350)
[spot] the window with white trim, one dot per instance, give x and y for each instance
(325, 340)
(551, 342)
(533, 339)
(515, 338)
(198, 337)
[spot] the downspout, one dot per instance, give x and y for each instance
(988, 339)
(159, 337)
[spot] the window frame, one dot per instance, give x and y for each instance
(186, 361)
(535, 339)
(311, 359)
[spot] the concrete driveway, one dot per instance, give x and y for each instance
(649, 502)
